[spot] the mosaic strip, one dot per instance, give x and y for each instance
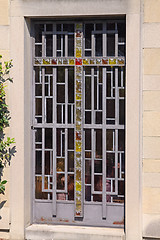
(80, 61)
(78, 132)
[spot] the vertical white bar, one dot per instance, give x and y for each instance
(104, 40)
(116, 42)
(92, 96)
(43, 156)
(66, 159)
(104, 145)
(43, 95)
(66, 45)
(92, 164)
(66, 96)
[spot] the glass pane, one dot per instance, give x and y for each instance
(87, 139)
(99, 26)
(60, 165)
(120, 187)
(38, 89)
(87, 93)
(99, 144)
(38, 135)
(70, 45)
(71, 138)
(39, 28)
(87, 193)
(121, 140)
(49, 45)
(38, 189)
(38, 106)
(47, 163)
(60, 181)
(38, 167)
(61, 94)
(121, 31)
(110, 108)
(121, 112)
(70, 187)
(61, 75)
(71, 161)
(110, 45)
(48, 138)
(87, 172)
(98, 166)
(110, 165)
(49, 27)
(68, 28)
(98, 117)
(110, 140)
(71, 85)
(88, 31)
(87, 117)
(98, 183)
(38, 50)
(121, 50)
(49, 110)
(98, 44)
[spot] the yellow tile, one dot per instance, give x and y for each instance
(151, 61)
(151, 200)
(151, 100)
(151, 166)
(151, 123)
(151, 10)
(151, 147)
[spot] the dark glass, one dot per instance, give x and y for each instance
(87, 92)
(70, 187)
(38, 106)
(39, 28)
(38, 89)
(70, 138)
(38, 135)
(111, 26)
(98, 117)
(108, 90)
(37, 74)
(70, 161)
(97, 197)
(120, 187)
(121, 50)
(58, 27)
(48, 138)
(38, 189)
(98, 44)
(61, 75)
(59, 147)
(49, 110)
(49, 27)
(121, 31)
(71, 85)
(49, 45)
(109, 139)
(121, 112)
(58, 42)
(87, 139)
(88, 31)
(60, 93)
(121, 140)
(68, 28)
(87, 171)
(110, 108)
(88, 193)
(59, 114)
(98, 166)
(38, 50)
(60, 181)
(110, 45)
(70, 45)
(110, 165)
(98, 183)
(87, 117)
(60, 165)
(99, 144)
(38, 167)
(47, 162)
(99, 26)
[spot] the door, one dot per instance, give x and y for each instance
(78, 122)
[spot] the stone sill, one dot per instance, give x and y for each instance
(61, 232)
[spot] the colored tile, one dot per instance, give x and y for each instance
(78, 61)
(78, 185)
(59, 61)
(78, 34)
(78, 104)
(71, 61)
(92, 61)
(98, 61)
(112, 61)
(78, 42)
(54, 61)
(78, 96)
(78, 135)
(104, 61)
(78, 146)
(78, 126)
(65, 61)
(78, 52)
(37, 61)
(78, 86)
(78, 162)
(78, 175)
(86, 61)
(46, 61)
(120, 61)
(78, 25)
(79, 69)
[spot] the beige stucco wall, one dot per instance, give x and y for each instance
(151, 119)
(4, 51)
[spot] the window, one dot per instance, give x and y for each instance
(79, 122)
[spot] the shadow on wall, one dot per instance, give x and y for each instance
(1, 205)
(153, 229)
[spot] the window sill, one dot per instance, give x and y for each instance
(61, 232)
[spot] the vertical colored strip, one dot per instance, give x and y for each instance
(78, 131)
